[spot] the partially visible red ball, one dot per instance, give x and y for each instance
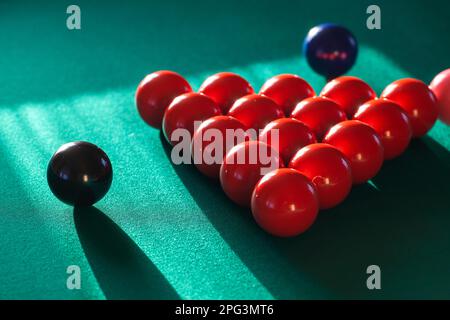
(319, 114)
(285, 203)
(390, 122)
(328, 169)
(287, 90)
(361, 145)
(255, 111)
(349, 93)
(184, 111)
(287, 136)
(155, 92)
(242, 168)
(417, 99)
(225, 88)
(441, 88)
(213, 140)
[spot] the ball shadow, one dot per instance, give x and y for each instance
(121, 268)
(401, 226)
(399, 223)
(236, 226)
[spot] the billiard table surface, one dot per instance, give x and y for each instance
(165, 231)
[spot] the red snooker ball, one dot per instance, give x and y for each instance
(287, 90)
(390, 122)
(255, 111)
(222, 131)
(328, 169)
(155, 92)
(285, 203)
(184, 111)
(349, 93)
(319, 114)
(244, 166)
(441, 88)
(225, 88)
(417, 99)
(361, 145)
(292, 136)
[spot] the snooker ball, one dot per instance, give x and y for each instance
(287, 90)
(242, 168)
(329, 170)
(79, 173)
(349, 93)
(285, 203)
(225, 88)
(441, 88)
(319, 114)
(155, 92)
(183, 113)
(390, 122)
(330, 49)
(291, 136)
(417, 99)
(255, 111)
(361, 145)
(212, 141)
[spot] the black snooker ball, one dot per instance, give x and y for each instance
(79, 173)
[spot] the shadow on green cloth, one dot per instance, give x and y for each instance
(401, 225)
(122, 270)
(192, 37)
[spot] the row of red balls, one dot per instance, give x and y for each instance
(320, 175)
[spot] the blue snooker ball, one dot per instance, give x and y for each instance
(330, 49)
